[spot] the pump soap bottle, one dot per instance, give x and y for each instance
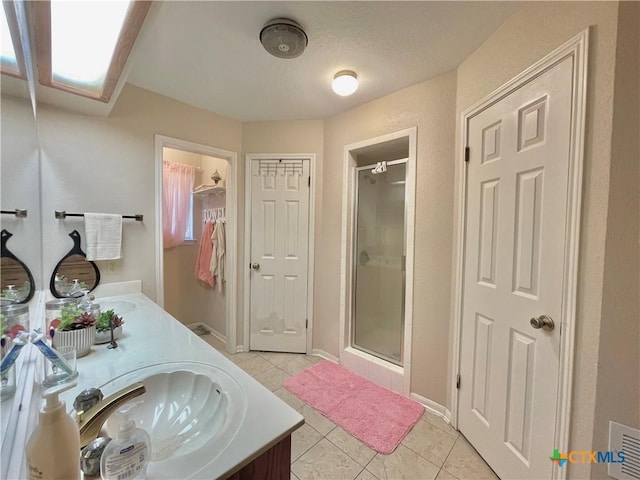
(53, 450)
(127, 455)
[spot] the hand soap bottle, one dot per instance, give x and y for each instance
(53, 450)
(127, 455)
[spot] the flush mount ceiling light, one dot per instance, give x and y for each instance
(283, 38)
(345, 83)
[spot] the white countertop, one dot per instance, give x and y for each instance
(152, 336)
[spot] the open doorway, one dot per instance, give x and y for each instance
(196, 198)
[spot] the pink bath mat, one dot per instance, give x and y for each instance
(376, 416)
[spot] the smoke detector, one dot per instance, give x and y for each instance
(283, 38)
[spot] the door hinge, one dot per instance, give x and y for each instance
(458, 381)
(306, 323)
(309, 181)
(466, 154)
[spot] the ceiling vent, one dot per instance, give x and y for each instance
(283, 38)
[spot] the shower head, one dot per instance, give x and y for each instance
(371, 179)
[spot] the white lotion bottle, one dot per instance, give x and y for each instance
(53, 450)
(126, 456)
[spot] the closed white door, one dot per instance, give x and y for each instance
(279, 255)
(516, 227)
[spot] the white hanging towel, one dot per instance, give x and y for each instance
(217, 259)
(103, 234)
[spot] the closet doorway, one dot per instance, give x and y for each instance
(196, 202)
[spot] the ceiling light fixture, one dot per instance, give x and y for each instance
(345, 83)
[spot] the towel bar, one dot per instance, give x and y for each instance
(18, 212)
(61, 215)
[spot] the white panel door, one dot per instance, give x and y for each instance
(279, 257)
(516, 207)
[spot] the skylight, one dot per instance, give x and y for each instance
(82, 47)
(7, 50)
(84, 36)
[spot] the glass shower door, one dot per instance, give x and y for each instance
(378, 303)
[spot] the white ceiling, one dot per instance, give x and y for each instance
(208, 53)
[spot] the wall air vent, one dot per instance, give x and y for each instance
(624, 439)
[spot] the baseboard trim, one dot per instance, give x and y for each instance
(218, 335)
(448, 417)
(322, 354)
(433, 407)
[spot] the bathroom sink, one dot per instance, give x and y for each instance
(119, 306)
(191, 411)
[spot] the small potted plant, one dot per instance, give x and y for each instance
(75, 328)
(103, 329)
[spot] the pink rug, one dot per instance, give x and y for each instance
(376, 416)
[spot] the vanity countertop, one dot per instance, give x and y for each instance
(152, 336)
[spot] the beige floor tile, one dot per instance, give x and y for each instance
(465, 463)
(366, 475)
(255, 366)
(439, 422)
(313, 358)
(444, 475)
(302, 440)
(351, 446)
(242, 357)
(402, 464)
(430, 442)
(293, 401)
(272, 378)
(316, 420)
(325, 461)
(295, 365)
(278, 358)
(293, 476)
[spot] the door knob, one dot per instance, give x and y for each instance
(255, 266)
(544, 322)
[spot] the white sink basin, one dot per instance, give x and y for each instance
(191, 411)
(119, 306)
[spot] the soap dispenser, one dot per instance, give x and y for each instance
(127, 455)
(53, 450)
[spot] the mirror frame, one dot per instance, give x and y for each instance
(75, 250)
(6, 253)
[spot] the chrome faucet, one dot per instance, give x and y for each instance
(90, 422)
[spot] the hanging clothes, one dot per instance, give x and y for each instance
(203, 262)
(218, 254)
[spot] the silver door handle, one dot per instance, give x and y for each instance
(544, 322)
(255, 266)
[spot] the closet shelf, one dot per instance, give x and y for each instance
(209, 190)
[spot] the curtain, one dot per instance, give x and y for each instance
(177, 185)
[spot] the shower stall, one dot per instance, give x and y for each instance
(378, 275)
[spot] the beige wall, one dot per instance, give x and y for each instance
(107, 165)
(300, 136)
(535, 30)
(20, 183)
(430, 106)
(618, 388)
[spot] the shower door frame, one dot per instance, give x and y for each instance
(382, 372)
(354, 262)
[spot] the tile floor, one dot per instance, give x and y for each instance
(321, 450)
